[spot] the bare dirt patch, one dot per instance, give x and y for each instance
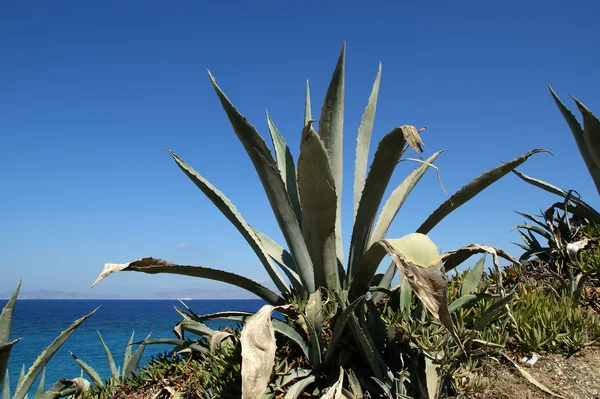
(575, 377)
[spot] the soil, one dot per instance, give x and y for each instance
(575, 377)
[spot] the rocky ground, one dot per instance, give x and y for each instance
(575, 377)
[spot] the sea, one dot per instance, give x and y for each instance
(39, 321)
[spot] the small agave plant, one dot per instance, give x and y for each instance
(63, 388)
(305, 196)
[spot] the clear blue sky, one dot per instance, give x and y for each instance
(91, 91)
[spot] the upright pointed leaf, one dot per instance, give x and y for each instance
(258, 353)
(469, 191)
(331, 131)
(363, 142)
(318, 196)
(473, 278)
(388, 154)
(89, 370)
(131, 366)
(339, 328)
(307, 111)
(578, 134)
(6, 319)
(45, 356)
(265, 166)
(286, 165)
(40, 390)
(397, 198)
(154, 266)
(128, 349)
(232, 214)
(5, 355)
(591, 131)
(109, 357)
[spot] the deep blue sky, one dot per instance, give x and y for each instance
(91, 91)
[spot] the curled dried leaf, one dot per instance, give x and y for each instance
(411, 134)
(217, 338)
(258, 353)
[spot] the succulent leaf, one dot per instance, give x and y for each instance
(473, 188)
(363, 142)
(331, 131)
(266, 167)
(154, 266)
(316, 186)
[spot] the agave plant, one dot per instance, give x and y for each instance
(26, 380)
(587, 136)
(305, 196)
(118, 374)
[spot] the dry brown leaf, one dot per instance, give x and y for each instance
(217, 338)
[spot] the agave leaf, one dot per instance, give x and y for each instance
(109, 357)
(339, 328)
(386, 281)
(397, 198)
(432, 374)
(6, 320)
(473, 278)
(307, 111)
(283, 258)
(217, 338)
(384, 387)
(580, 207)
(580, 139)
(89, 370)
(179, 344)
(39, 364)
(296, 390)
(452, 259)
(258, 353)
(154, 266)
(232, 214)
(526, 216)
(335, 391)
(354, 385)
(544, 233)
(405, 297)
(469, 191)
(318, 195)
(127, 356)
(367, 347)
(198, 328)
(131, 365)
(266, 167)
(363, 142)
(386, 157)
(314, 311)
(591, 131)
(40, 390)
(314, 342)
(331, 131)
(418, 259)
(6, 388)
(5, 354)
(287, 168)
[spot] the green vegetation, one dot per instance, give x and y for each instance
(25, 382)
(342, 330)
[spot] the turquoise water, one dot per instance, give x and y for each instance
(38, 322)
